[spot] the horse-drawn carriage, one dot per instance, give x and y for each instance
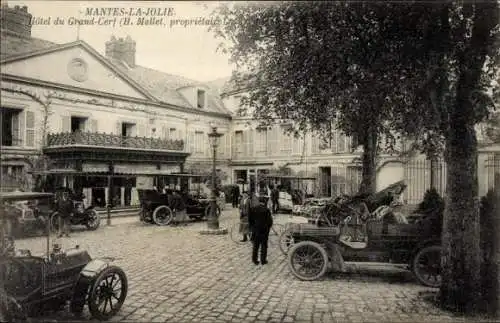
(364, 228)
(158, 208)
(30, 284)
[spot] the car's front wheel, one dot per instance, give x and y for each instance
(308, 260)
(162, 215)
(94, 220)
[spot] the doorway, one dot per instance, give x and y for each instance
(325, 181)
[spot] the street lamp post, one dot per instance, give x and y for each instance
(213, 220)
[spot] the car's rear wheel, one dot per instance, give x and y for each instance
(308, 260)
(426, 266)
(107, 294)
(162, 215)
(94, 220)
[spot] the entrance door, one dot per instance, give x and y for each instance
(325, 181)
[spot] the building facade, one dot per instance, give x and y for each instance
(105, 124)
(91, 118)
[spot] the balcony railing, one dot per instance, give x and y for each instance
(111, 140)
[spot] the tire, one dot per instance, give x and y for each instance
(316, 261)
(163, 215)
(286, 242)
(95, 222)
(104, 291)
(234, 233)
(208, 208)
(426, 266)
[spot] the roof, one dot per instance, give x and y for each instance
(160, 85)
(14, 44)
(22, 196)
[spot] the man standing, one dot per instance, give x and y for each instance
(244, 212)
(275, 196)
(261, 221)
(65, 209)
(235, 195)
(179, 208)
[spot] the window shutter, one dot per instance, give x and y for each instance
(273, 144)
(21, 130)
(221, 148)
(297, 145)
(118, 128)
(191, 141)
(140, 130)
(250, 142)
(314, 143)
(164, 132)
(94, 126)
(227, 144)
(30, 129)
(66, 124)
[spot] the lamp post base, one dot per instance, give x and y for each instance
(219, 231)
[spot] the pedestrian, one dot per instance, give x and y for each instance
(261, 221)
(244, 212)
(65, 210)
(235, 195)
(179, 209)
(275, 196)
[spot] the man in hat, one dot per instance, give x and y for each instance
(260, 220)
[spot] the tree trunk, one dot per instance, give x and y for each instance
(369, 173)
(460, 289)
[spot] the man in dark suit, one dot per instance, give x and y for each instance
(260, 221)
(235, 195)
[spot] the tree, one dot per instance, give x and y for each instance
(459, 58)
(322, 63)
(421, 69)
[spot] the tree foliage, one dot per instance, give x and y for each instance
(422, 69)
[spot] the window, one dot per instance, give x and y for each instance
(286, 144)
(11, 127)
(261, 140)
(128, 129)
(199, 140)
(201, 99)
(238, 142)
(78, 124)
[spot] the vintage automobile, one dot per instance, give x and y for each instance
(82, 215)
(353, 236)
(156, 209)
(310, 207)
(22, 216)
(31, 284)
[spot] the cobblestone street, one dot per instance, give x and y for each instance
(177, 275)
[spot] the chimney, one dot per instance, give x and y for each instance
(122, 50)
(16, 19)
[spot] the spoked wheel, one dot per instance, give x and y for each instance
(235, 234)
(286, 241)
(94, 220)
(275, 233)
(307, 260)
(427, 266)
(108, 293)
(162, 215)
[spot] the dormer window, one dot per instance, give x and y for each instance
(202, 98)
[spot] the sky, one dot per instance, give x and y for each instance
(189, 51)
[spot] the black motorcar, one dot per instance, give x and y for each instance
(32, 284)
(156, 208)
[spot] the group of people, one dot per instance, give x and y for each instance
(255, 224)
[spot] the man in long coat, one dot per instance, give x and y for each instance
(261, 221)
